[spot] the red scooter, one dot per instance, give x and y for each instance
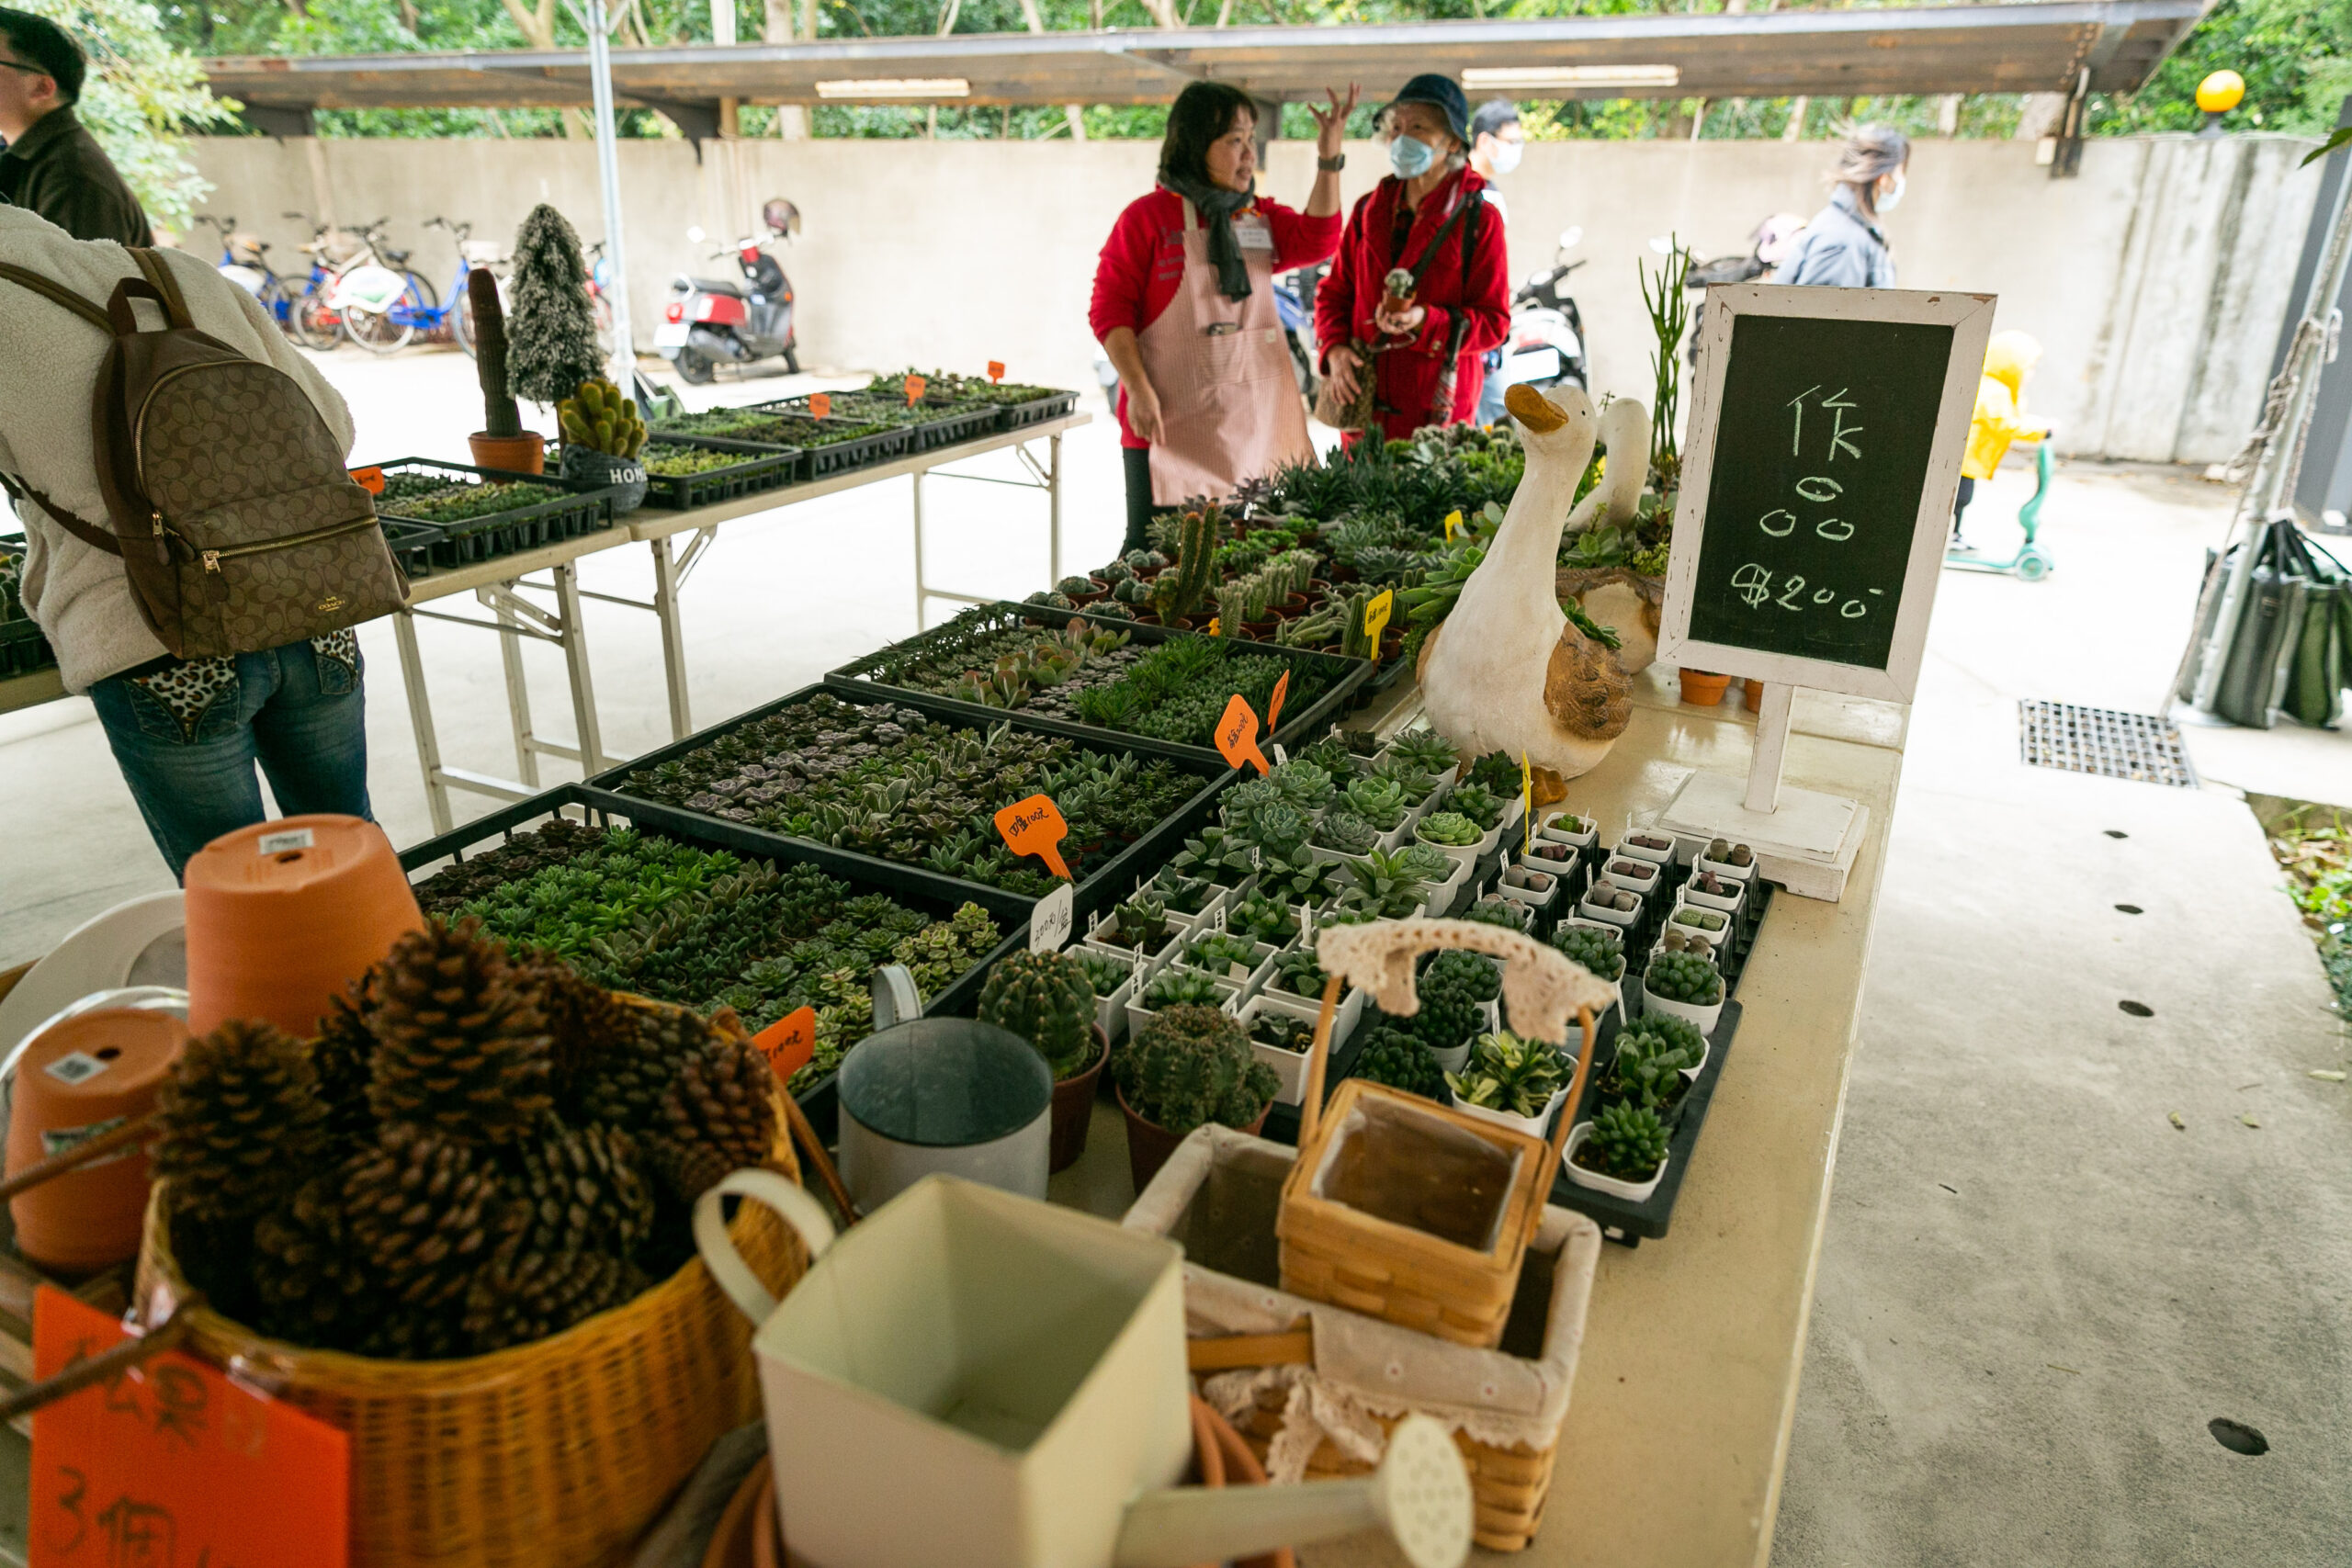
(711, 322)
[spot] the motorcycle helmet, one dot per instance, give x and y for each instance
(781, 217)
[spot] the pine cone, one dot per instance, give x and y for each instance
(624, 1088)
(590, 1210)
(343, 1057)
(585, 1022)
(426, 1213)
(241, 1124)
(462, 1048)
(313, 1287)
(719, 1116)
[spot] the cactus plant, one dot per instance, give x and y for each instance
(551, 334)
(1684, 977)
(1046, 999)
(596, 416)
(1627, 1142)
(501, 418)
(1506, 1073)
(1451, 990)
(1180, 591)
(1354, 641)
(1600, 952)
(1190, 1066)
(1075, 586)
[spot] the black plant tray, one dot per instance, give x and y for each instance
(1627, 1222)
(764, 468)
(818, 1101)
(1302, 722)
(936, 424)
(837, 456)
(583, 508)
(959, 421)
(411, 544)
(23, 647)
(1137, 862)
(1037, 410)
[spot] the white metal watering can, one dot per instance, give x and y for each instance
(975, 1378)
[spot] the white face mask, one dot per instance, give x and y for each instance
(1504, 155)
(1893, 198)
(1409, 157)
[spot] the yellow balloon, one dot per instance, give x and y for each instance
(2220, 93)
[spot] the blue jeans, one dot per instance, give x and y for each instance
(188, 732)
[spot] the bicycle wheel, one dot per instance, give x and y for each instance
(313, 323)
(461, 321)
(375, 332)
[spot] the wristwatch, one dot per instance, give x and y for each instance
(1331, 165)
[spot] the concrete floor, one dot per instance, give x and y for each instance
(2034, 1292)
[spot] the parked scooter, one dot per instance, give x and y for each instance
(1768, 248)
(1546, 345)
(712, 321)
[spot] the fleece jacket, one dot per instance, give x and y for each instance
(49, 371)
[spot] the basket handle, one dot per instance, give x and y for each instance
(1318, 1057)
(1541, 986)
(795, 1207)
(1559, 1139)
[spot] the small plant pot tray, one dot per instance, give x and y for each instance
(764, 468)
(412, 545)
(825, 457)
(580, 508)
(1035, 410)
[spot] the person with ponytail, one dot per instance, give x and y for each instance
(1844, 247)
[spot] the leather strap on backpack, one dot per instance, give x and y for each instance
(58, 294)
(88, 532)
(167, 287)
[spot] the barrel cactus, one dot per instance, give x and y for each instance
(1046, 999)
(1192, 1065)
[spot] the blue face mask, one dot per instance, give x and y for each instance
(1410, 158)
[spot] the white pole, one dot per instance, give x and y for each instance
(722, 22)
(623, 367)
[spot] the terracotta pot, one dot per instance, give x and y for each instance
(282, 915)
(1259, 631)
(1297, 604)
(1074, 1108)
(1752, 696)
(76, 1080)
(1149, 1143)
(524, 454)
(1701, 689)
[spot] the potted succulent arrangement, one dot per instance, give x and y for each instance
(1113, 976)
(1381, 802)
(1189, 1066)
(1386, 886)
(1424, 751)
(1713, 923)
(1525, 885)
(1496, 909)
(1343, 835)
(1567, 827)
(1709, 891)
(502, 441)
(1621, 1151)
(1394, 1054)
(1512, 1082)
(1416, 782)
(1682, 938)
(1599, 949)
(1047, 998)
(1141, 925)
(1281, 1038)
(1228, 955)
(1640, 875)
(1457, 992)
(1452, 833)
(1655, 848)
(1220, 854)
(601, 437)
(1683, 985)
(1733, 862)
(1610, 904)
(1657, 1062)
(1301, 879)
(1190, 900)
(1176, 987)
(1265, 917)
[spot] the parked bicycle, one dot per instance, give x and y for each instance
(311, 319)
(243, 263)
(385, 308)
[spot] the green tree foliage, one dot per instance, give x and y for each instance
(140, 95)
(2296, 57)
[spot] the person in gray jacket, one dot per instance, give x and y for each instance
(1843, 246)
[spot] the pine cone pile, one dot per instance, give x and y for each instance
(478, 1151)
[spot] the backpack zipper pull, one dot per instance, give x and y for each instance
(212, 561)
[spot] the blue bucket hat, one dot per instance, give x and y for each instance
(1442, 94)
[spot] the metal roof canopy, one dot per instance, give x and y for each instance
(2025, 48)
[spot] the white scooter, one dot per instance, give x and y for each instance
(1546, 345)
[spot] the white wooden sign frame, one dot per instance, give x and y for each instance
(1969, 316)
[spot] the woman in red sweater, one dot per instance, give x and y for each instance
(1184, 306)
(1425, 355)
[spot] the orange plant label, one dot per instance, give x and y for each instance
(915, 385)
(1237, 734)
(1034, 827)
(1274, 703)
(820, 404)
(369, 479)
(789, 1042)
(171, 1463)
(996, 370)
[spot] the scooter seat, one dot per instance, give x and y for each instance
(719, 286)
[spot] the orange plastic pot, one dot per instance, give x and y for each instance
(1701, 689)
(77, 1080)
(282, 915)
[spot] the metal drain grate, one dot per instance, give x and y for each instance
(2112, 745)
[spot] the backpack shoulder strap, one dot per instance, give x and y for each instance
(167, 287)
(58, 294)
(90, 534)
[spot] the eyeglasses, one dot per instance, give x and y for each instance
(28, 70)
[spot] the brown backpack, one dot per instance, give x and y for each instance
(237, 523)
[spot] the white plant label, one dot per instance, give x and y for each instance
(1281, 758)
(279, 843)
(75, 1067)
(1049, 922)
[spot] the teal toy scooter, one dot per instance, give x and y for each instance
(2030, 564)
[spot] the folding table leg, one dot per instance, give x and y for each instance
(420, 718)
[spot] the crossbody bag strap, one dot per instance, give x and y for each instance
(1437, 241)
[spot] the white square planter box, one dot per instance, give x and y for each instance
(1726, 903)
(1627, 873)
(1111, 1008)
(1290, 1066)
(1440, 894)
(1702, 1018)
(1724, 869)
(1138, 1014)
(1660, 852)
(1261, 968)
(1343, 1017)
(1696, 921)
(1533, 1126)
(1631, 1191)
(1548, 825)
(1513, 886)
(1466, 853)
(1593, 915)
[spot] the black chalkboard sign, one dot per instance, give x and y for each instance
(1822, 441)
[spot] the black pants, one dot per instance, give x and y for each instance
(1960, 502)
(1140, 511)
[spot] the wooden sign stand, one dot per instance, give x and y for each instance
(1791, 522)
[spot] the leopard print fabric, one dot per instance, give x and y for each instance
(342, 646)
(188, 690)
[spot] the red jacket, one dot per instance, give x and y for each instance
(1407, 375)
(1143, 263)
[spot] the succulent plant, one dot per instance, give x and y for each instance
(1131, 592)
(1606, 895)
(1723, 851)
(1181, 987)
(1494, 909)
(1425, 863)
(1684, 977)
(1141, 921)
(1332, 755)
(1185, 894)
(1415, 781)
(1141, 561)
(1075, 586)
(1219, 853)
(1191, 1065)
(1386, 886)
(1105, 973)
(596, 416)
(1263, 918)
(1299, 972)
(1682, 938)
(1702, 920)
(1219, 952)
(1180, 592)
(1235, 804)
(1282, 1030)
(1275, 828)
(1497, 771)
(1450, 828)
(1424, 749)
(1048, 1000)
(1296, 878)
(1627, 1142)
(1451, 990)
(1649, 1065)
(1657, 843)
(1114, 573)
(1306, 785)
(1394, 1055)
(1346, 832)
(1378, 801)
(1602, 952)
(1506, 1073)
(1476, 802)
(1568, 822)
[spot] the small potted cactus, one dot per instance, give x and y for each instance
(1048, 1000)
(1684, 985)
(1512, 1082)
(1189, 1066)
(1081, 591)
(603, 434)
(1621, 1151)
(501, 443)
(1176, 986)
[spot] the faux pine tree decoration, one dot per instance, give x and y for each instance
(552, 330)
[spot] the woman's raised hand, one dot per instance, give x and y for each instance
(1331, 126)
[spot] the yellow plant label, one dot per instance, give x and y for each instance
(1375, 615)
(1453, 523)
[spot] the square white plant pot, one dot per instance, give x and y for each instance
(1628, 874)
(1440, 894)
(1717, 926)
(1262, 966)
(1466, 853)
(1290, 1066)
(1592, 914)
(1343, 1017)
(1514, 884)
(1631, 1191)
(1567, 864)
(1658, 852)
(1111, 1008)
(1550, 825)
(1533, 1126)
(1702, 1018)
(1727, 903)
(1725, 869)
(1140, 1013)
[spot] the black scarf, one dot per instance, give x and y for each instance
(1217, 207)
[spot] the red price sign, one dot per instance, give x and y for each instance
(915, 385)
(369, 479)
(789, 1042)
(1237, 734)
(996, 370)
(820, 404)
(1034, 827)
(169, 1461)
(1274, 706)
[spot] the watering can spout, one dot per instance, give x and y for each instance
(1421, 1494)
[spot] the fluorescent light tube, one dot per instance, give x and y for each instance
(897, 87)
(1572, 76)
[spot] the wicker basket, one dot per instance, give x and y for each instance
(1349, 1240)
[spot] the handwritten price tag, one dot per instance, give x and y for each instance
(789, 1042)
(1453, 523)
(914, 385)
(1237, 734)
(171, 1463)
(820, 405)
(1034, 827)
(1049, 920)
(369, 479)
(1375, 615)
(996, 370)
(1274, 703)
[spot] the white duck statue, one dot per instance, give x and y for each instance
(1613, 598)
(1507, 670)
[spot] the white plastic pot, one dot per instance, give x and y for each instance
(1660, 854)
(1631, 1191)
(1290, 1066)
(1533, 1126)
(1726, 903)
(1593, 914)
(1666, 1007)
(1725, 870)
(1139, 1015)
(1583, 839)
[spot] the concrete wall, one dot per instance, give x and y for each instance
(2156, 281)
